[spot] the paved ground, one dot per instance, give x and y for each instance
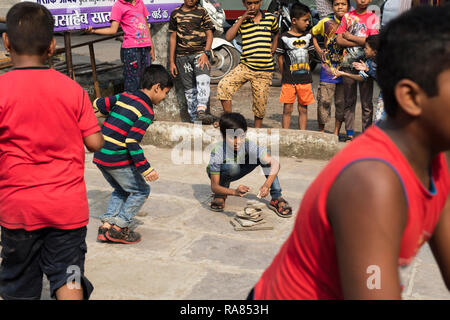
(190, 252)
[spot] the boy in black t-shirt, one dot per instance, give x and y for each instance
(293, 60)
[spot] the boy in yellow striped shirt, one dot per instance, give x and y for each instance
(259, 31)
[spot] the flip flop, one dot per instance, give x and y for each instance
(217, 206)
(280, 210)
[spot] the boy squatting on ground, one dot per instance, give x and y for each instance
(234, 157)
(122, 160)
(345, 230)
(355, 27)
(46, 119)
(331, 56)
(191, 36)
(259, 31)
(293, 60)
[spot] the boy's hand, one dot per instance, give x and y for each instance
(203, 61)
(337, 74)
(263, 191)
(173, 70)
(360, 66)
(249, 14)
(89, 30)
(347, 35)
(152, 176)
(241, 191)
(152, 53)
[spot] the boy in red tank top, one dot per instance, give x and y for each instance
(370, 210)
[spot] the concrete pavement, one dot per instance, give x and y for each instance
(190, 252)
(187, 251)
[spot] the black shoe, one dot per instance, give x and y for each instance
(342, 138)
(206, 118)
(101, 237)
(124, 235)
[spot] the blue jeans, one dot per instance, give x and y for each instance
(129, 195)
(230, 172)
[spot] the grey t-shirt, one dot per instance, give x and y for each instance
(221, 153)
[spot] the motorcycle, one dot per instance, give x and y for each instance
(225, 56)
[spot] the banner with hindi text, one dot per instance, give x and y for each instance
(80, 14)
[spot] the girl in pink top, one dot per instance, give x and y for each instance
(137, 51)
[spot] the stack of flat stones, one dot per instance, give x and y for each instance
(251, 218)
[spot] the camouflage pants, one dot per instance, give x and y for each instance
(196, 83)
(259, 80)
(325, 94)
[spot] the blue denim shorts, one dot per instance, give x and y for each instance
(27, 255)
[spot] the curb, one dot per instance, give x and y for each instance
(183, 137)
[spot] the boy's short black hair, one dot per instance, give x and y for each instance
(155, 74)
(414, 46)
(299, 10)
(373, 41)
(234, 121)
(29, 27)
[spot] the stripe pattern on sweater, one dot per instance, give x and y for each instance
(129, 116)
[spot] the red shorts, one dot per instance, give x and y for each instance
(304, 93)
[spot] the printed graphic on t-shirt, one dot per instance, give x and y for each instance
(332, 53)
(360, 30)
(139, 24)
(361, 26)
(296, 58)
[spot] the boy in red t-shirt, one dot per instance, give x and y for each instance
(46, 119)
(365, 217)
(355, 27)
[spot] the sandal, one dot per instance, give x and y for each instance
(280, 210)
(218, 204)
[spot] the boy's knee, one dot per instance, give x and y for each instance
(288, 109)
(302, 109)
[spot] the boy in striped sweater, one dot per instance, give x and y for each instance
(122, 160)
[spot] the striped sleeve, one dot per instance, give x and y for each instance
(132, 141)
(275, 25)
(104, 105)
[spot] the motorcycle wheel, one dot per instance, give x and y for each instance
(224, 60)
